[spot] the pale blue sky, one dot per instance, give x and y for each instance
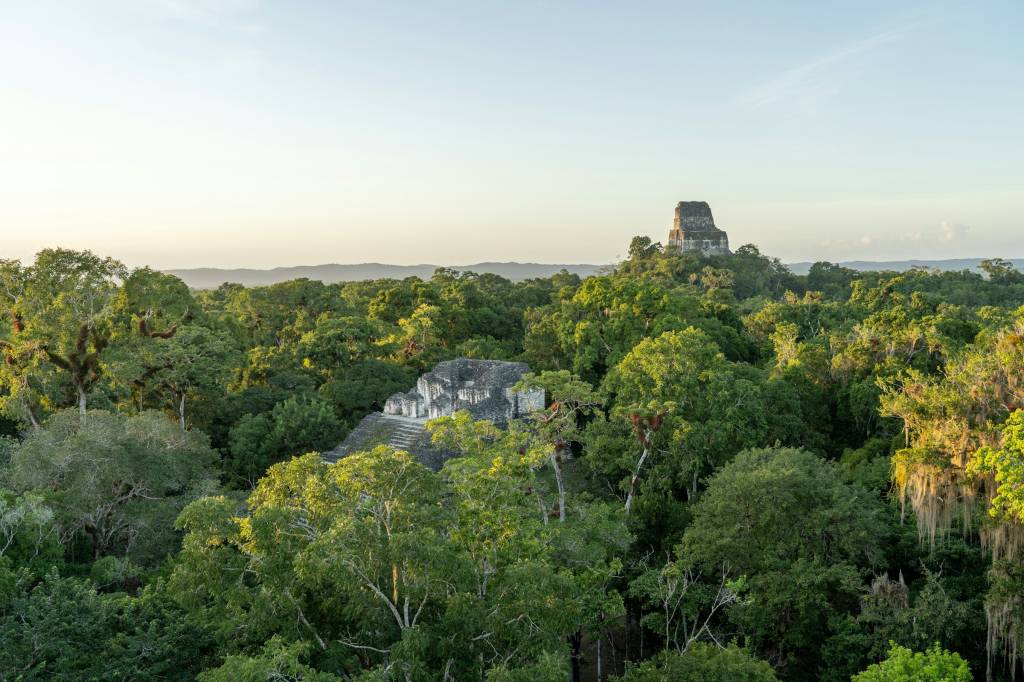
(248, 133)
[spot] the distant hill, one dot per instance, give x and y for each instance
(950, 265)
(210, 278)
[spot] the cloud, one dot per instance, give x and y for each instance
(815, 79)
(953, 232)
(947, 232)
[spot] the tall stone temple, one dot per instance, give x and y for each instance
(694, 230)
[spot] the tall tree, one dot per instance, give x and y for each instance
(802, 537)
(688, 402)
(115, 483)
(61, 310)
(569, 400)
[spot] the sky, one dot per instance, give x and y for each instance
(248, 133)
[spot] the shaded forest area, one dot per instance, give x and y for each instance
(741, 474)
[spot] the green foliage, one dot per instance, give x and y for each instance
(934, 665)
(486, 348)
(1006, 466)
(363, 387)
(1001, 271)
(691, 411)
(571, 400)
(682, 602)
(28, 534)
(386, 563)
(891, 613)
(63, 629)
(869, 464)
(803, 537)
(832, 280)
(702, 663)
(608, 315)
(780, 504)
(642, 247)
(277, 661)
(115, 483)
(60, 322)
(550, 668)
(170, 373)
(337, 342)
(294, 426)
(712, 464)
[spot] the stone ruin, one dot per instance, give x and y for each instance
(694, 229)
(481, 387)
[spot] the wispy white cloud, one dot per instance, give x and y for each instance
(953, 232)
(815, 79)
(946, 232)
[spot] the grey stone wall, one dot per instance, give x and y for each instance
(693, 215)
(713, 243)
(483, 387)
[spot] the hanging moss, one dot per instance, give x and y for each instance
(936, 491)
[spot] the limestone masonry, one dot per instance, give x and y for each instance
(481, 387)
(694, 229)
(484, 387)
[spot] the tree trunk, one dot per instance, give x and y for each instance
(575, 643)
(634, 631)
(634, 479)
(32, 417)
(181, 411)
(561, 486)
(81, 400)
(94, 539)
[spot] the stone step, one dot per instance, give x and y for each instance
(400, 433)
